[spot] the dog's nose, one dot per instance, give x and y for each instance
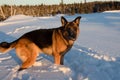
(71, 33)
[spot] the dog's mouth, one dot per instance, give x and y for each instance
(72, 35)
(69, 35)
(72, 38)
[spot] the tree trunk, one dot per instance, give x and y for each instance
(11, 10)
(2, 12)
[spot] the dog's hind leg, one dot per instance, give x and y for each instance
(28, 54)
(29, 61)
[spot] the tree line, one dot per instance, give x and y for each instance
(48, 10)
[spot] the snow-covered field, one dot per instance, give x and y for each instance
(94, 56)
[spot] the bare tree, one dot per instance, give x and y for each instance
(2, 12)
(11, 9)
(62, 6)
(85, 1)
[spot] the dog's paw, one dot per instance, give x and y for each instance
(20, 69)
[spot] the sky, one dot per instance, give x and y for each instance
(48, 2)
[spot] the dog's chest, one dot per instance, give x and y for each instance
(47, 50)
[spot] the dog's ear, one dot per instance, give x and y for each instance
(63, 21)
(77, 20)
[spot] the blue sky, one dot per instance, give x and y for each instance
(34, 2)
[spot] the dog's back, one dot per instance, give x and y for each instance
(42, 38)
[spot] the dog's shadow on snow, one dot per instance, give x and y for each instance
(87, 64)
(7, 38)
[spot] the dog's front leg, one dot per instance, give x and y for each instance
(62, 60)
(57, 59)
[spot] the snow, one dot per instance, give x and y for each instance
(115, 11)
(94, 56)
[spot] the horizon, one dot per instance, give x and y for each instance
(46, 2)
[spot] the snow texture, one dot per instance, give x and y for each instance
(94, 56)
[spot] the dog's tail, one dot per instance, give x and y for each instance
(5, 46)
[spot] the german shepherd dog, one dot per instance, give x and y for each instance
(55, 42)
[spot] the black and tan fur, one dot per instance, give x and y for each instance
(55, 42)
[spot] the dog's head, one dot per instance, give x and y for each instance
(70, 29)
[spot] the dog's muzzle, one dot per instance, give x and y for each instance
(72, 35)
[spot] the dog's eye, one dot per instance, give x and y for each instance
(68, 29)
